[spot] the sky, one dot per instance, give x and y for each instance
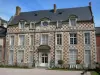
(8, 7)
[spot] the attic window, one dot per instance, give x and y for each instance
(32, 25)
(72, 20)
(59, 24)
(35, 14)
(60, 13)
(21, 24)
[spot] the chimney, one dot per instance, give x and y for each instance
(90, 4)
(18, 10)
(54, 8)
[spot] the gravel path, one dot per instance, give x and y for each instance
(10, 71)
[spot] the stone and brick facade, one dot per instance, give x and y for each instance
(83, 26)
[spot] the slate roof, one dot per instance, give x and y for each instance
(3, 21)
(83, 14)
(97, 30)
(3, 31)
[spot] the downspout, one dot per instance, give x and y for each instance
(54, 47)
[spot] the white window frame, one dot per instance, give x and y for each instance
(13, 56)
(56, 56)
(31, 40)
(70, 62)
(70, 22)
(18, 56)
(30, 61)
(61, 38)
(31, 25)
(19, 39)
(10, 40)
(47, 39)
(84, 56)
(73, 39)
(23, 24)
(87, 40)
(58, 24)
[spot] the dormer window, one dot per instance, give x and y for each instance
(44, 23)
(32, 25)
(21, 24)
(72, 20)
(59, 24)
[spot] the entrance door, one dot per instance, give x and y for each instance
(87, 57)
(44, 59)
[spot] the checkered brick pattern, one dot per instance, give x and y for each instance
(66, 46)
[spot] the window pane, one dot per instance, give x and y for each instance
(12, 40)
(20, 56)
(22, 25)
(59, 55)
(44, 39)
(75, 41)
(22, 39)
(59, 39)
(73, 22)
(73, 38)
(87, 38)
(31, 40)
(46, 59)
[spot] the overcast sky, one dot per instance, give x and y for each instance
(8, 7)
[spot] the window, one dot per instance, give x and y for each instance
(12, 40)
(21, 40)
(31, 40)
(59, 24)
(44, 39)
(11, 57)
(32, 25)
(87, 38)
(44, 23)
(59, 39)
(44, 58)
(20, 56)
(73, 21)
(73, 38)
(72, 56)
(21, 25)
(59, 55)
(31, 57)
(87, 57)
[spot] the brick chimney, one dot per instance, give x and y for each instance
(89, 3)
(18, 10)
(55, 8)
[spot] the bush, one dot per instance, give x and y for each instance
(60, 62)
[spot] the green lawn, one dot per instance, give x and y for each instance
(94, 73)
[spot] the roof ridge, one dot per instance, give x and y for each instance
(57, 9)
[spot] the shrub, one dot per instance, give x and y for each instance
(60, 62)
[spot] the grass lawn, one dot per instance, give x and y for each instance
(94, 73)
